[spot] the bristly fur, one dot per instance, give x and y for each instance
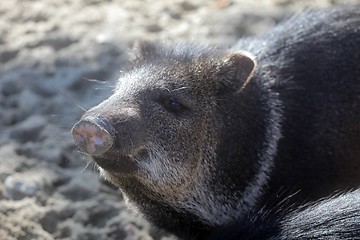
(337, 217)
(199, 154)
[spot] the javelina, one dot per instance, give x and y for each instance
(197, 137)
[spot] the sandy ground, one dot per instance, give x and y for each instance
(59, 58)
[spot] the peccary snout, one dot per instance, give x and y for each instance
(93, 135)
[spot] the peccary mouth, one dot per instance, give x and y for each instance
(115, 161)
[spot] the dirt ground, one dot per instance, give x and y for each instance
(59, 58)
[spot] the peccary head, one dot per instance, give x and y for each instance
(181, 134)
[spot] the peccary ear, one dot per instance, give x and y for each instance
(237, 69)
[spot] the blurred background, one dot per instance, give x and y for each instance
(59, 58)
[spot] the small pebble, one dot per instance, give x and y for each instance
(17, 188)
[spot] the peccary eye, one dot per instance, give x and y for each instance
(173, 105)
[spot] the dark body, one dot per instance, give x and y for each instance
(333, 218)
(198, 137)
(313, 62)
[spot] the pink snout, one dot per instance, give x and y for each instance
(93, 135)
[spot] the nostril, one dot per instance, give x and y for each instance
(93, 135)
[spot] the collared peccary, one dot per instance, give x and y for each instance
(197, 137)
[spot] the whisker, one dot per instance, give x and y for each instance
(85, 167)
(108, 84)
(94, 80)
(60, 115)
(82, 153)
(181, 88)
(72, 100)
